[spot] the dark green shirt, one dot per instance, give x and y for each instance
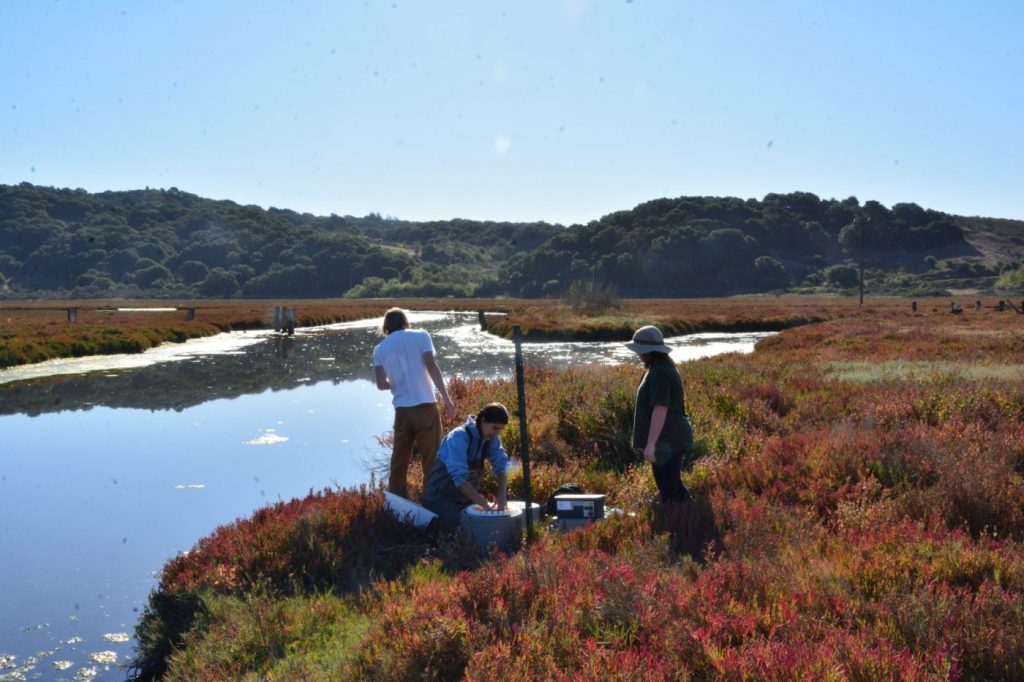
(661, 385)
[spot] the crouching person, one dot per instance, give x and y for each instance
(454, 480)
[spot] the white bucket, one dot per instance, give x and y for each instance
(408, 511)
(521, 506)
(486, 528)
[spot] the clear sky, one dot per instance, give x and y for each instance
(559, 110)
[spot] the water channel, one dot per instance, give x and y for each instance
(111, 465)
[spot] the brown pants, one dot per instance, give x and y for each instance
(419, 425)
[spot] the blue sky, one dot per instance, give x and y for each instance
(563, 110)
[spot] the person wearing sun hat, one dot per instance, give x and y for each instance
(661, 429)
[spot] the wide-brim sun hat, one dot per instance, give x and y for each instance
(648, 339)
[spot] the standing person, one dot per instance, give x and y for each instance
(404, 363)
(661, 429)
(454, 480)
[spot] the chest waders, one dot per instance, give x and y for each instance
(442, 497)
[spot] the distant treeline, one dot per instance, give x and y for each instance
(703, 246)
(168, 243)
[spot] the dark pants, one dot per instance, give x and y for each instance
(669, 480)
(442, 497)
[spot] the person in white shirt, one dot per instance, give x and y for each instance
(404, 363)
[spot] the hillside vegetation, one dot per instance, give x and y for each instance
(171, 244)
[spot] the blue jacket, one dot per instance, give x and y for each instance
(462, 448)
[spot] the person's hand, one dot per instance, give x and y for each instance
(649, 453)
(449, 408)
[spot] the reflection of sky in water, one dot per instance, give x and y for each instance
(146, 454)
(92, 502)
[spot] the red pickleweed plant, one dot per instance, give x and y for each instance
(337, 539)
(329, 540)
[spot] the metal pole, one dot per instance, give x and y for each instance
(524, 440)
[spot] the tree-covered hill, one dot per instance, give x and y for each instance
(157, 243)
(702, 246)
(169, 243)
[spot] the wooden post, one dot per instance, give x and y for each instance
(483, 320)
(190, 313)
(977, 305)
(913, 306)
(72, 314)
(861, 220)
(524, 439)
(861, 232)
(289, 320)
(277, 318)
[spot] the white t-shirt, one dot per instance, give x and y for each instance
(401, 356)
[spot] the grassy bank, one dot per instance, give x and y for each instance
(556, 321)
(867, 526)
(37, 331)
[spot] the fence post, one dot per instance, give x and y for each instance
(72, 314)
(289, 320)
(483, 320)
(913, 306)
(277, 318)
(190, 313)
(977, 305)
(524, 439)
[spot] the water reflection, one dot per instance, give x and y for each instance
(272, 362)
(284, 346)
(185, 375)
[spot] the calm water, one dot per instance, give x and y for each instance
(109, 466)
